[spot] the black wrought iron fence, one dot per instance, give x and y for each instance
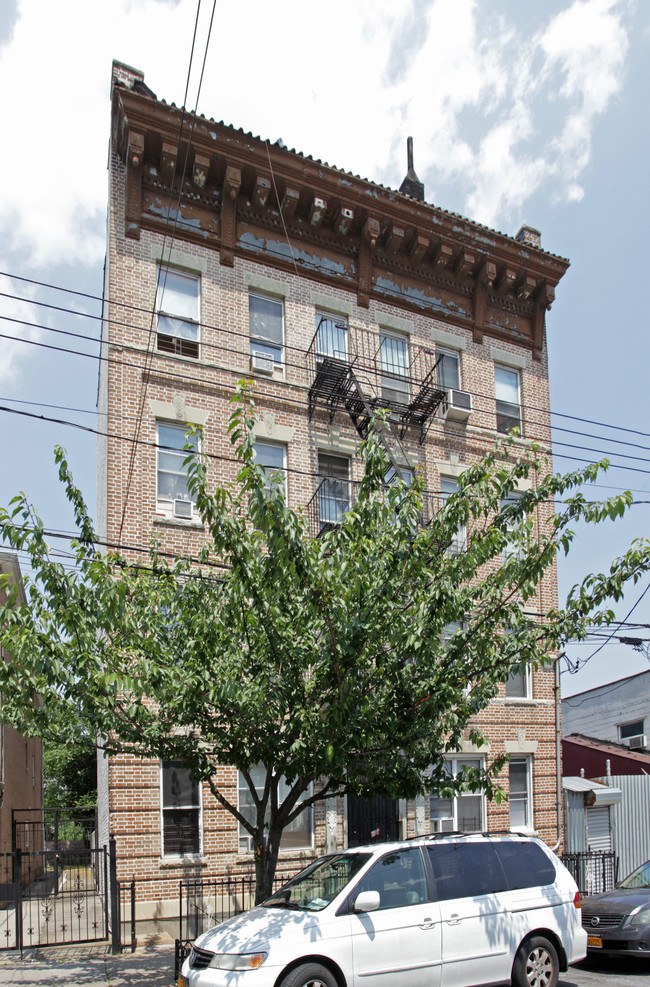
(592, 870)
(204, 904)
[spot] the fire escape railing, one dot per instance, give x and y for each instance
(334, 497)
(349, 370)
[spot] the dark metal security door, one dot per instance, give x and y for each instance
(373, 819)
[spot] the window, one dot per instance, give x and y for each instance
(466, 870)
(177, 305)
(458, 542)
(266, 327)
(630, 731)
(394, 362)
(506, 386)
(272, 457)
(399, 877)
(173, 496)
(297, 835)
(181, 811)
(521, 803)
(465, 812)
(448, 369)
(525, 864)
(518, 685)
(331, 336)
(513, 546)
(334, 500)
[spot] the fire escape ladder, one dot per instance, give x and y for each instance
(422, 408)
(360, 410)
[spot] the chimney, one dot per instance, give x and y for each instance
(412, 185)
(529, 236)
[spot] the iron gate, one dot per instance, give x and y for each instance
(53, 898)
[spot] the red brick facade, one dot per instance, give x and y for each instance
(248, 216)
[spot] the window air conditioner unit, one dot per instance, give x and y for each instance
(638, 741)
(183, 509)
(457, 406)
(262, 363)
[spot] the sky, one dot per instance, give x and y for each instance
(522, 111)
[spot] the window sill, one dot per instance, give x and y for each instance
(188, 860)
(175, 522)
(519, 701)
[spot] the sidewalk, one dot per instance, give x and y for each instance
(89, 966)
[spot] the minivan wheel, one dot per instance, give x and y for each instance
(310, 975)
(536, 964)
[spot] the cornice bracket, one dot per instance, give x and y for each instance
(261, 191)
(369, 237)
(201, 170)
(481, 274)
(290, 200)
(134, 159)
(543, 299)
(231, 186)
(168, 163)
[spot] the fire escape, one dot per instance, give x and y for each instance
(371, 374)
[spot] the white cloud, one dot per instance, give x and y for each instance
(497, 110)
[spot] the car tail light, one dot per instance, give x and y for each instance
(576, 901)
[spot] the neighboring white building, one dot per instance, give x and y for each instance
(618, 711)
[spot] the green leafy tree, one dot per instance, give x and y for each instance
(324, 660)
(69, 773)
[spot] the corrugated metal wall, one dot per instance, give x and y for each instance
(574, 821)
(631, 821)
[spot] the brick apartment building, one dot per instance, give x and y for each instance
(230, 257)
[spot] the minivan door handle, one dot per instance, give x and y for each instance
(427, 923)
(454, 919)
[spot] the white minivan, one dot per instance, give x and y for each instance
(443, 911)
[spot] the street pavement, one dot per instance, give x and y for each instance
(88, 966)
(153, 966)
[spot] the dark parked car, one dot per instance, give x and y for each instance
(618, 921)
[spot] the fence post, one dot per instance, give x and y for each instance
(116, 923)
(18, 881)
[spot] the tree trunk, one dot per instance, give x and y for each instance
(266, 860)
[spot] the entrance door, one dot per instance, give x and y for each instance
(372, 820)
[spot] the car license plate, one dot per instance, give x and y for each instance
(591, 941)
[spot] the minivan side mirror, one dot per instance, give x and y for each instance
(366, 901)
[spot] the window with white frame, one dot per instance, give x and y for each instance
(448, 368)
(394, 364)
(298, 835)
(172, 495)
(334, 488)
(272, 457)
(632, 731)
(449, 486)
(512, 547)
(181, 811)
(518, 684)
(177, 308)
(521, 793)
(465, 812)
(331, 335)
(266, 329)
(508, 398)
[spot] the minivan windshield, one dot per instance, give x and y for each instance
(317, 885)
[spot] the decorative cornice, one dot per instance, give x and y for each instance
(378, 242)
